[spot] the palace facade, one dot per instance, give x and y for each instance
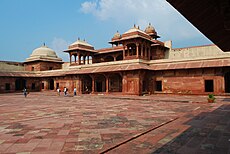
(136, 64)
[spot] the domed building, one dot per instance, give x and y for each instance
(150, 30)
(138, 64)
(43, 58)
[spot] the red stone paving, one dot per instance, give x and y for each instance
(46, 123)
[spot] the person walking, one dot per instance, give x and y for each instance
(65, 91)
(75, 91)
(58, 91)
(25, 92)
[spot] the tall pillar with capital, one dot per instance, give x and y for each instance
(93, 84)
(75, 59)
(79, 58)
(107, 84)
(70, 58)
(124, 52)
(137, 48)
(142, 49)
(84, 59)
(88, 59)
(145, 52)
(149, 53)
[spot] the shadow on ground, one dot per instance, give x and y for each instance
(209, 132)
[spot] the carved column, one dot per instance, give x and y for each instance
(79, 58)
(149, 53)
(88, 59)
(107, 84)
(93, 84)
(70, 57)
(124, 52)
(142, 49)
(84, 59)
(75, 58)
(137, 48)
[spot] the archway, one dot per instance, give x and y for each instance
(51, 84)
(131, 49)
(100, 83)
(227, 82)
(115, 83)
(120, 57)
(86, 84)
(20, 84)
(108, 59)
(145, 84)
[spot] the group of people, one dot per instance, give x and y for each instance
(25, 92)
(65, 90)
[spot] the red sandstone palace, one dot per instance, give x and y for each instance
(136, 64)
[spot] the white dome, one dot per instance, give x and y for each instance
(43, 51)
(80, 42)
(134, 29)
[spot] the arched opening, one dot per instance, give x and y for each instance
(145, 83)
(115, 83)
(100, 83)
(86, 84)
(20, 84)
(90, 59)
(119, 57)
(227, 82)
(132, 49)
(72, 59)
(108, 59)
(51, 84)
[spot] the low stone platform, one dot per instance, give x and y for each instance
(46, 123)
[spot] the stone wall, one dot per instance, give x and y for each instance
(190, 81)
(42, 66)
(10, 82)
(11, 66)
(131, 83)
(197, 52)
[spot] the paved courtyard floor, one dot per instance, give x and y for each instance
(46, 123)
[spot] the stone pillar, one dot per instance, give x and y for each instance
(145, 52)
(75, 58)
(84, 60)
(114, 58)
(93, 84)
(79, 58)
(142, 50)
(70, 58)
(88, 59)
(137, 48)
(149, 53)
(107, 84)
(123, 52)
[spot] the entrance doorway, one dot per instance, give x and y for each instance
(51, 84)
(115, 83)
(86, 84)
(100, 85)
(227, 82)
(20, 84)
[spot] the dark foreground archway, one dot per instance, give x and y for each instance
(227, 82)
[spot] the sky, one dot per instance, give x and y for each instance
(26, 24)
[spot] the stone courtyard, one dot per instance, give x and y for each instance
(46, 123)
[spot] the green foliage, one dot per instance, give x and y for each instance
(211, 96)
